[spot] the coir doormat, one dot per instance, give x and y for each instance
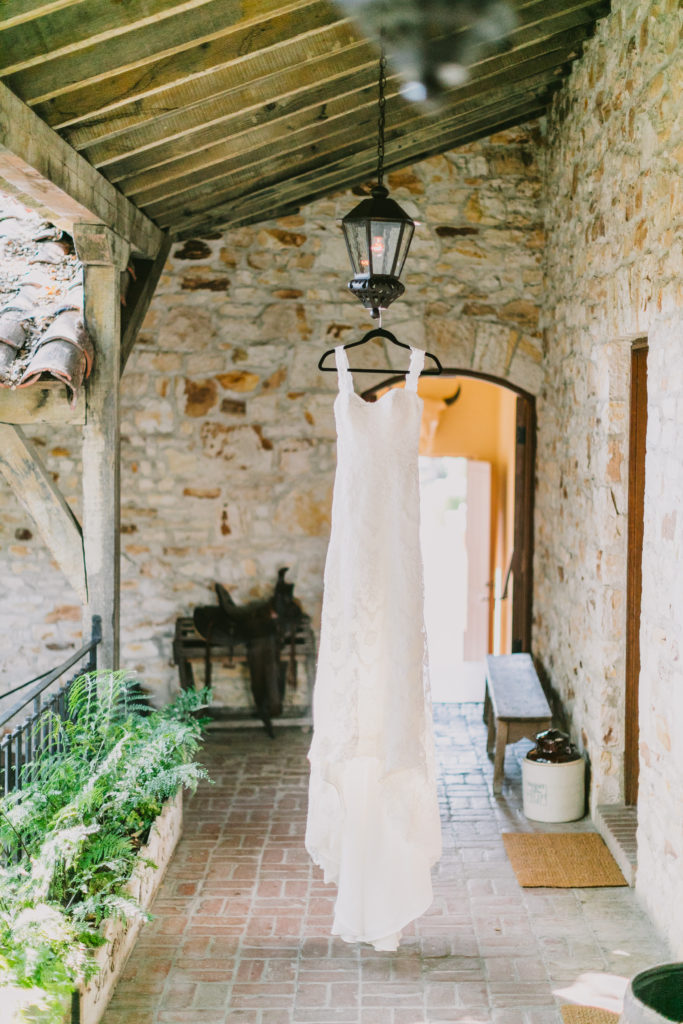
(561, 860)
(588, 1015)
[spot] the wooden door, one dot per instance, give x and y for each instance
(636, 507)
(522, 559)
(478, 547)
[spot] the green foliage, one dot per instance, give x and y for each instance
(71, 836)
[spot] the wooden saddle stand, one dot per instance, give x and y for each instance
(269, 635)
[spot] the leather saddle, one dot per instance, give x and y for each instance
(265, 628)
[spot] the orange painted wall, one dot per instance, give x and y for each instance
(479, 425)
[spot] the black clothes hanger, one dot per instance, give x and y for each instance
(379, 332)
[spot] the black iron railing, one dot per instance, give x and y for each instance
(19, 746)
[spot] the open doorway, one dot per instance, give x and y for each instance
(470, 422)
(455, 533)
(477, 473)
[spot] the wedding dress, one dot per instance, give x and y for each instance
(373, 821)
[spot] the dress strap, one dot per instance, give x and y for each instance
(344, 378)
(417, 361)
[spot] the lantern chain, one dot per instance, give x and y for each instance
(380, 121)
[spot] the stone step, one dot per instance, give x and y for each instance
(617, 824)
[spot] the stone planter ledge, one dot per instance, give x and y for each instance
(87, 1006)
(121, 935)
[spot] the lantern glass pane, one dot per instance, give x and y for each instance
(356, 241)
(384, 237)
(404, 245)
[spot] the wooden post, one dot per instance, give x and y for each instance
(104, 255)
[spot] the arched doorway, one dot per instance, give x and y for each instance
(477, 475)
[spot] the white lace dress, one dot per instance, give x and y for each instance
(373, 821)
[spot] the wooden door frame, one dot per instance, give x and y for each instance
(523, 545)
(525, 481)
(634, 559)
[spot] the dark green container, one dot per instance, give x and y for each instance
(655, 996)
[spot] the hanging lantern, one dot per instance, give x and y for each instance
(378, 234)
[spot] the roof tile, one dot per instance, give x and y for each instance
(42, 331)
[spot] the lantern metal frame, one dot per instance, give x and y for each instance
(368, 230)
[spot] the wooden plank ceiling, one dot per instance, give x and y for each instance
(215, 113)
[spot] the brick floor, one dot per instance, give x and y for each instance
(242, 921)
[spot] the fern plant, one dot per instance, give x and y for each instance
(70, 837)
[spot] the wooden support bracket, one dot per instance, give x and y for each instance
(139, 297)
(34, 487)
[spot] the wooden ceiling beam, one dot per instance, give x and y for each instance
(124, 87)
(357, 165)
(534, 12)
(151, 47)
(23, 11)
(66, 30)
(349, 171)
(181, 106)
(286, 91)
(247, 130)
(546, 29)
(138, 110)
(172, 176)
(39, 164)
(290, 205)
(349, 134)
(213, 142)
(233, 178)
(339, 150)
(84, 90)
(198, 107)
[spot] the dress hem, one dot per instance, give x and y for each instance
(385, 933)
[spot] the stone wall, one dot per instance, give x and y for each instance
(228, 441)
(615, 274)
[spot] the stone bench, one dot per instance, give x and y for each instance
(515, 706)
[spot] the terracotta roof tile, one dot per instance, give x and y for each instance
(42, 333)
